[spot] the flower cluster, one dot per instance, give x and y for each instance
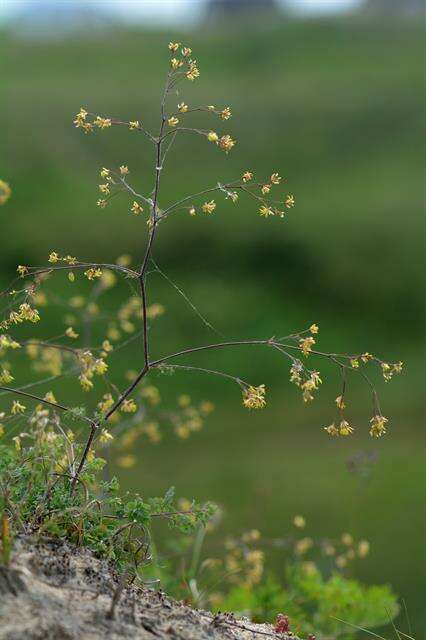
(254, 397)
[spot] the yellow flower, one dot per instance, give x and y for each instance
(104, 173)
(265, 211)
(102, 123)
(127, 462)
(212, 136)
(345, 428)
(226, 143)
(182, 107)
(105, 436)
(134, 124)
(247, 176)
(186, 51)
(289, 202)
(5, 191)
(71, 333)
(124, 170)
(129, 406)
(93, 273)
(303, 545)
(49, 396)
(254, 397)
(6, 377)
(173, 121)
(53, 257)
(332, 430)
(193, 71)
(265, 188)
(225, 114)
(192, 211)
(276, 178)
(17, 407)
(175, 63)
(22, 270)
(347, 539)
(314, 328)
(299, 522)
(71, 276)
(340, 403)
(363, 548)
(378, 426)
(136, 208)
(209, 207)
(306, 345)
(174, 46)
(104, 188)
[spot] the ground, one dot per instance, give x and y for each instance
(55, 591)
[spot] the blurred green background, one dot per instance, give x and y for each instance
(337, 107)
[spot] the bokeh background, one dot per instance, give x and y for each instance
(331, 95)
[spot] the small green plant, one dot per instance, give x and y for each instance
(35, 496)
(311, 590)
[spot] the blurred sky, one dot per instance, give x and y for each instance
(163, 11)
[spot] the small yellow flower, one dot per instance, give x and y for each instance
(173, 121)
(340, 403)
(276, 178)
(124, 170)
(247, 176)
(134, 124)
(182, 107)
(332, 430)
(225, 114)
(71, 333)
(192, 211)
(265, 211)
(212, 136)
(254, 397)
(363, 548)
(136, 208)
(299, 522)
(174, 46)
(226, 143)
(126, 462)
(17, 407)
(265, 188)
(186, 51)
(289, 202)
(104, 173)
(71, 276)
(53, 257)
(306, 345)
(104, 188)
(102, 123)
(129, 406)
(105, 436)
(22, 270)
(378, 426)
(102, 203)
(175, 63)
(303, 545)
(5, 191)
(314, 328)
(347, 539)
(93, 273)
(345, 428)
(209, 207)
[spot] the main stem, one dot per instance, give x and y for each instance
(142, 283)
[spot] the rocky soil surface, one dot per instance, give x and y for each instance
(55, 591)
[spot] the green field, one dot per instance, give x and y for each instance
(338, 108)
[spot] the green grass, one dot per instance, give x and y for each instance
(338, 108)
